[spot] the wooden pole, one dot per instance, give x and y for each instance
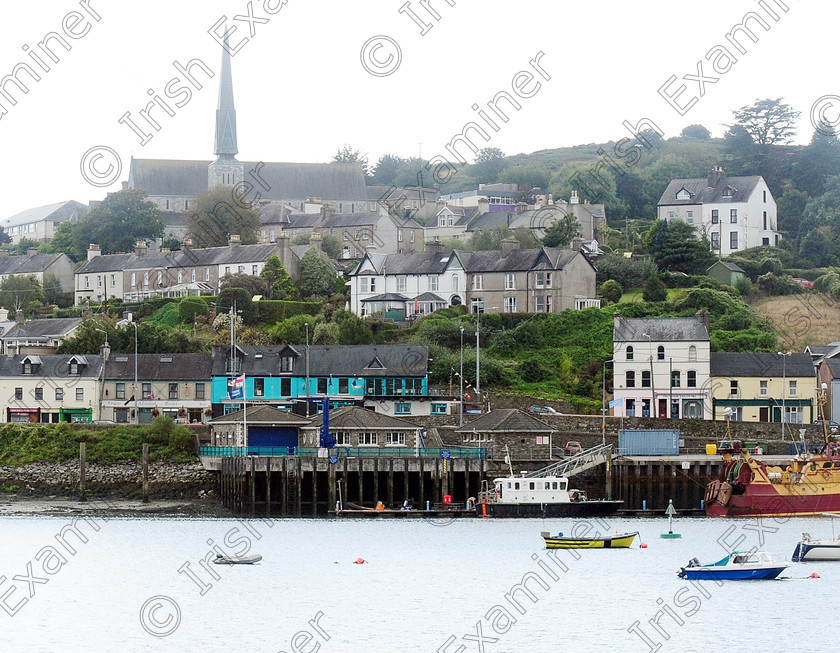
(422, 498)
(315, 487)
(375, 482)
(390, 481)
(609, 473)
(145, 472)
(284, 487)
(252, 483)
(82, 493)
(268, 486)
(331, 486)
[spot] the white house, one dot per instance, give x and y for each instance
(735, 213)
(661, 367)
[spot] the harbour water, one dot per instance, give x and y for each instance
(457, 586)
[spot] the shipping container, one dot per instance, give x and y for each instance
(649, 442)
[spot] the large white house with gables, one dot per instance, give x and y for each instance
(734, 213)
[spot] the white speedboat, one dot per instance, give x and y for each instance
(738, 565)
(808, 549)
(237, 560)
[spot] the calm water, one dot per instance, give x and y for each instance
(423, 584)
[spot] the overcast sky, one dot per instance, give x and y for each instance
(301, 90)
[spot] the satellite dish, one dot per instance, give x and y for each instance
(727, 412)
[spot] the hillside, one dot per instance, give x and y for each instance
(799, 320)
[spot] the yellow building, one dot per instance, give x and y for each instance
(760, 387)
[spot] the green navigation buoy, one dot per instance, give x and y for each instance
(670, 511)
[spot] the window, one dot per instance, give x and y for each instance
(765, 220)
(438, 409)
(285, 387)
(145, 278)
(133, 280)
(762, 388)
(346, 235)
(322, 385)
(733, 387)
(401, 284)
(671, 215)
(147, 391)
(367, 438)
(173, 390)
(543, 439)
(399, 235)
(793, 415)
(630, 378)
(120, 390)
(477, 282)
(180, 276)
(660, 353)
(27, 367)
(764, 193)
(39, 393)
(434, 282)
(411, 236)
(287, 363)
(363, 284)
(372, 281)
(80, 394)
(241, 269)
(207, 274)
(342, 439)
(160, 277)
(227, 269)
(99, 280)
(691, 379)
(395, 439)
(715, 216)
(403, 408)
(192, 275)
(675, 379)
(18, 394)
(548, 303)
(357, 234)
(692, 353)
(59, 394)
(477, 305)
(259, 388)
(792, 388)
(628, 353)
(343, 386)
(733, 240)
(733, 216)
(510, 304)
(510, 281)
(645, 379)
(543, 279)
(690, 217)
(715, 240)
(74, 367)
(121, 415)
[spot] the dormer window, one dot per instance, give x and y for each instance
(76, 364)
(287, 363)
(683, 194)
(728, 191)
(31, 364)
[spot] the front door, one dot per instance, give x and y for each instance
(663, 408)
(764, 414)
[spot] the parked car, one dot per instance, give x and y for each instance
(545, 410)
(832, 425)
(804, 282)
(573, 447)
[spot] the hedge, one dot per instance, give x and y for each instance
(272, 311)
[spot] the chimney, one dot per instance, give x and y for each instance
(509, 245)
(140, 248)
(32, 251)
(283, 243)
(574, 199)
(165, 250)
(234, 240)
(4, 314)
(18, 316)
(316, 241)
(188, 243)
(577, 243)
(703, 317)
(216, 349)
(105, 352)
(483, 205)
(434, 250)
(715, 176)
(93, 251)
(520, 208)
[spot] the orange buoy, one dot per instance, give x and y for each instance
(359, 561)
(643, 545)
(815, 575)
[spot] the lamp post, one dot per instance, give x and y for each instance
(136, 411)
(478, 308)
(604, 401)
(784, 356)
(306, 324)
(461, 380)
(652, 384)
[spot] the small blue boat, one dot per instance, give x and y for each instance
(738, 565)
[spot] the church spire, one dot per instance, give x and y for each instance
(225, 146)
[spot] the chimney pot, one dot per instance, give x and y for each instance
(509, 245)
(434, 249)
(32, 251)
(140, 248)
(93, 251)
(18, 316)
(715, 175)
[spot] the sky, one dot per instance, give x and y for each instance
(311, 76)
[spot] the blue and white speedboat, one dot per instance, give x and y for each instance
(808, 549)
(738, 565)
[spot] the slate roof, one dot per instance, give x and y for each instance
(54, 366)
(51, 327)
(29, 264)
(761, 365)
(742, 188)
(729, 266)
(68, 210)
(660, 329)
(405, 264)
(331, 360)
(387, 297)
(506, 420)
(263, 414)
(833, 367)
(393, 194)
(105, 263)
(160, 367)
(353, 417)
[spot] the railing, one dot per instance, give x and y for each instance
(349, 452)
(576, 464)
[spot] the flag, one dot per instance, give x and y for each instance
(617, 402)
(236, 387)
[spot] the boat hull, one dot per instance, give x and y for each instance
(571, 509)
(766, 500)
(622, 541)
(816, 550)
(707, 573)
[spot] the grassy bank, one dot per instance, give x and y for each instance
(21, 444)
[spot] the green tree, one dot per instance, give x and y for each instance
(22, 247)
(292, 331)
(353, 331)
(254, 285)
(190, 308)
(172, 244)
(696, 131)
(317, 275)
(674, 246)
(561, 232)
(654, 289)
(489, 163)
(53, 294)
(768, 122)
(818, 161)
(19, 292)
(386, 169)
(218, 214)
(240, 298)
(64, 241)
(281, 285)
(118, 223)
(611, 291)
(347, 154)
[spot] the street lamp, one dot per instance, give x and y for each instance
(461, 378)
(784, 383)
(652, 412)
(604, 401)
(306, 324)
(136, 411)
(478, 310)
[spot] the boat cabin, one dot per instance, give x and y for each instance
(545, 489)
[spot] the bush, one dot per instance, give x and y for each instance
(654, 290)
(611, 291)
(241, 298)
(629, 272)
(771, 284)
(190, 308)
(532, 371)
(269, 311)
(744, 286)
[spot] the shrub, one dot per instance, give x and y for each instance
(654, 290)
(190, 308)
(611, 291)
